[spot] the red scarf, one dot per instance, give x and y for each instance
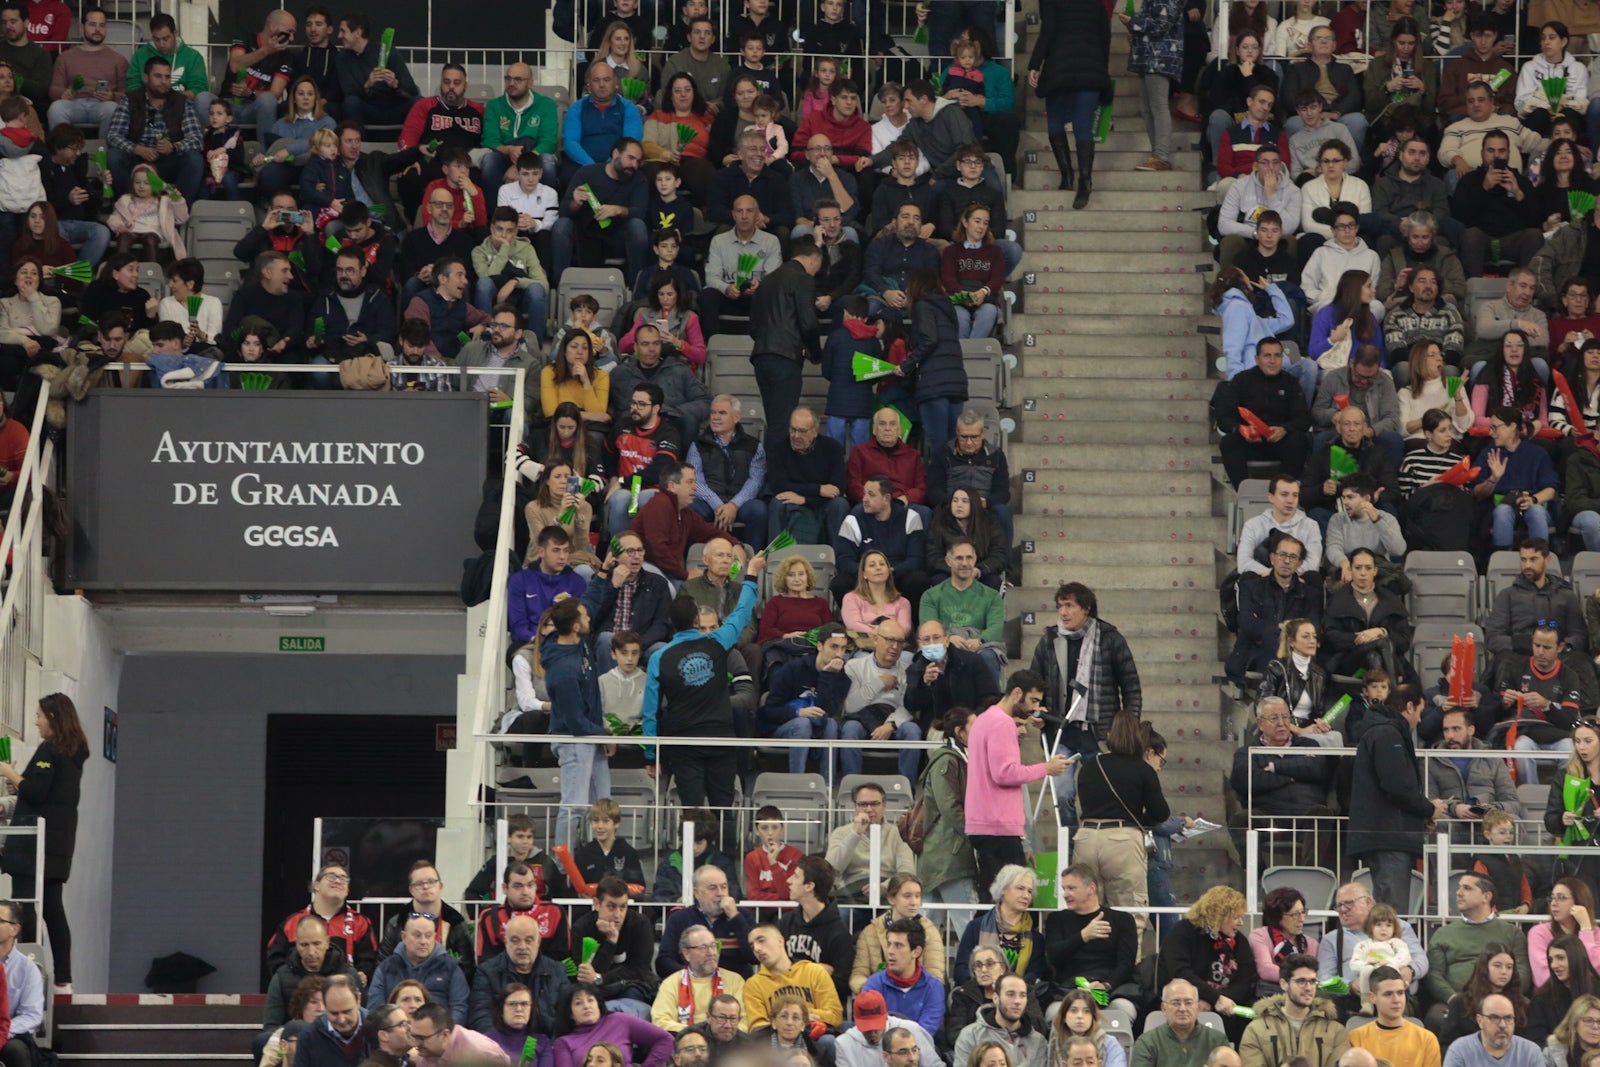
(686, 994)
(904, 983)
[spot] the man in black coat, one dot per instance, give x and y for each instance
(784, 331)
(1269, 785)
(1266, 602)
(1271, 396)
(1389, 811)
(942, 676)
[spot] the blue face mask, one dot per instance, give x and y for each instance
(933, 653)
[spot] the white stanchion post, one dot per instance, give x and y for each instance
(1443, 839)
(1252, 871)
(500, 834)
(874, 863)
(686, 897)
(316, 846)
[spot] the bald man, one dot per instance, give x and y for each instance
(713, 586)
(821, 179)
(521, 962)
(875, 706)
(258, 78)
(728, 289)
(517, 121)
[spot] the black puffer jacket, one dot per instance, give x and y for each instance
(1118, 688)
(1073, 53)
(49, 790)
(935, 358)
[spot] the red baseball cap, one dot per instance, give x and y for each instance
(870, 1012)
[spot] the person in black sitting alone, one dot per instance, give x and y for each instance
(943, 676)
(1271, 396)
(1266, 601)
(270, 298)
(1088, 940)
(424, 246)
(1498, 203)
(1365, 626)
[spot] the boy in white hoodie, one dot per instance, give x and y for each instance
(622, 687)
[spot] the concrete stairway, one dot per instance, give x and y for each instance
(1112, 446)
(196, 1030)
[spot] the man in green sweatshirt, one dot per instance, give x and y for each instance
(517, 121)
(188, 66)
(1454, 948)
(963, 602)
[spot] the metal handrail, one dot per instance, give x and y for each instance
(21, 622)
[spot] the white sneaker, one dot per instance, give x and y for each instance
(175, 379)
(63, 989)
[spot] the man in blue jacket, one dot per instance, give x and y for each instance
(537, 586)
(805, 697)
(574, 684)
(686, 695)
(882, 522)
(909, 991)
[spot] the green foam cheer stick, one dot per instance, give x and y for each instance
(1243, 1012)
(77, 83)
(464, 337)
(594, 206)
(686, 133)
(192, 303)
(1452, 385)
(319, 327)
(782, 541)
(385, 47)
(1341, 462)
(297, 259)
(1101, 997)
(1580, 202)
(866, 368)
(633, 90)
(81, 271)
(635, 484)
(101, 161)
(255, 380)
(530, 1051)
(1335, 985)
(590, 947)
(332, 244)
(84, 320)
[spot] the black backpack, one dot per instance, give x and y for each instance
(1437, 518)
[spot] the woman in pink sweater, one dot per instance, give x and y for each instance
(996, 774)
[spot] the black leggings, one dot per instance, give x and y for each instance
(55, 920)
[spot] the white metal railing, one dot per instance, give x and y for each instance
(22, 607)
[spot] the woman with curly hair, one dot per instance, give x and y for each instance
(1205, 949)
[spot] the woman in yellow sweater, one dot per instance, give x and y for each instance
(573, 378)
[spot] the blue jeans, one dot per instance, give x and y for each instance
(1076, 108)
(1217, 124)
(946, 19)
(1587, 523)
(1011, 252)
(629, 1006)
(1308, 374)
(797, 728)
(260, 111)
(161, 365)
(186, 170)
(533, 301)
(752, 515)
(633, 241)
(585, 778)
(1504, 525)
(1158, 886)
(955, 891)
(979, 321)
(1527, 769)
(938, 416)
(1002, 515)
(617, 517)
(850, 758)
(92, 236)
(79, 112)
(858, 430)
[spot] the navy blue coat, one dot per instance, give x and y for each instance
(935, 358)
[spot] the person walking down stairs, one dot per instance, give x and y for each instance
(1155, 53)
(1070, 71)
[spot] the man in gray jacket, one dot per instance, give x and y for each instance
(1406, 187)
(1006, 1023)
(1536, 594)
(1267, 188)
(940, 128)
(686, 397)
(1466, 783)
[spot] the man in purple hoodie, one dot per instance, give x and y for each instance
(537, 585)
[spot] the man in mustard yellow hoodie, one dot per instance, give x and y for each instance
(778, 974)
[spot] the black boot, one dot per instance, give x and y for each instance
(1058, 145)
(1086, 165)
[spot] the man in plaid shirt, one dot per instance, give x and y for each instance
(142, 130)
(414, 340)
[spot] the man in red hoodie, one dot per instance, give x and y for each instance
(842, 124)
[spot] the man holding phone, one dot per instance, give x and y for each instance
(1483, 784)
(285, 229)
(103, 70)
(259, 77)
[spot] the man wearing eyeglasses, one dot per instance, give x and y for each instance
(1274, 785)
(438, 1040)
(849, 846)
(1497, 1044)
(875, 706)
(1454, 948)
(350, 933)
(1354, 902)
(808, 475)
(1296, 1024)
(1266, 602)
(389, 1031)
(427, 896)
(688, 997)
(421, 959)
